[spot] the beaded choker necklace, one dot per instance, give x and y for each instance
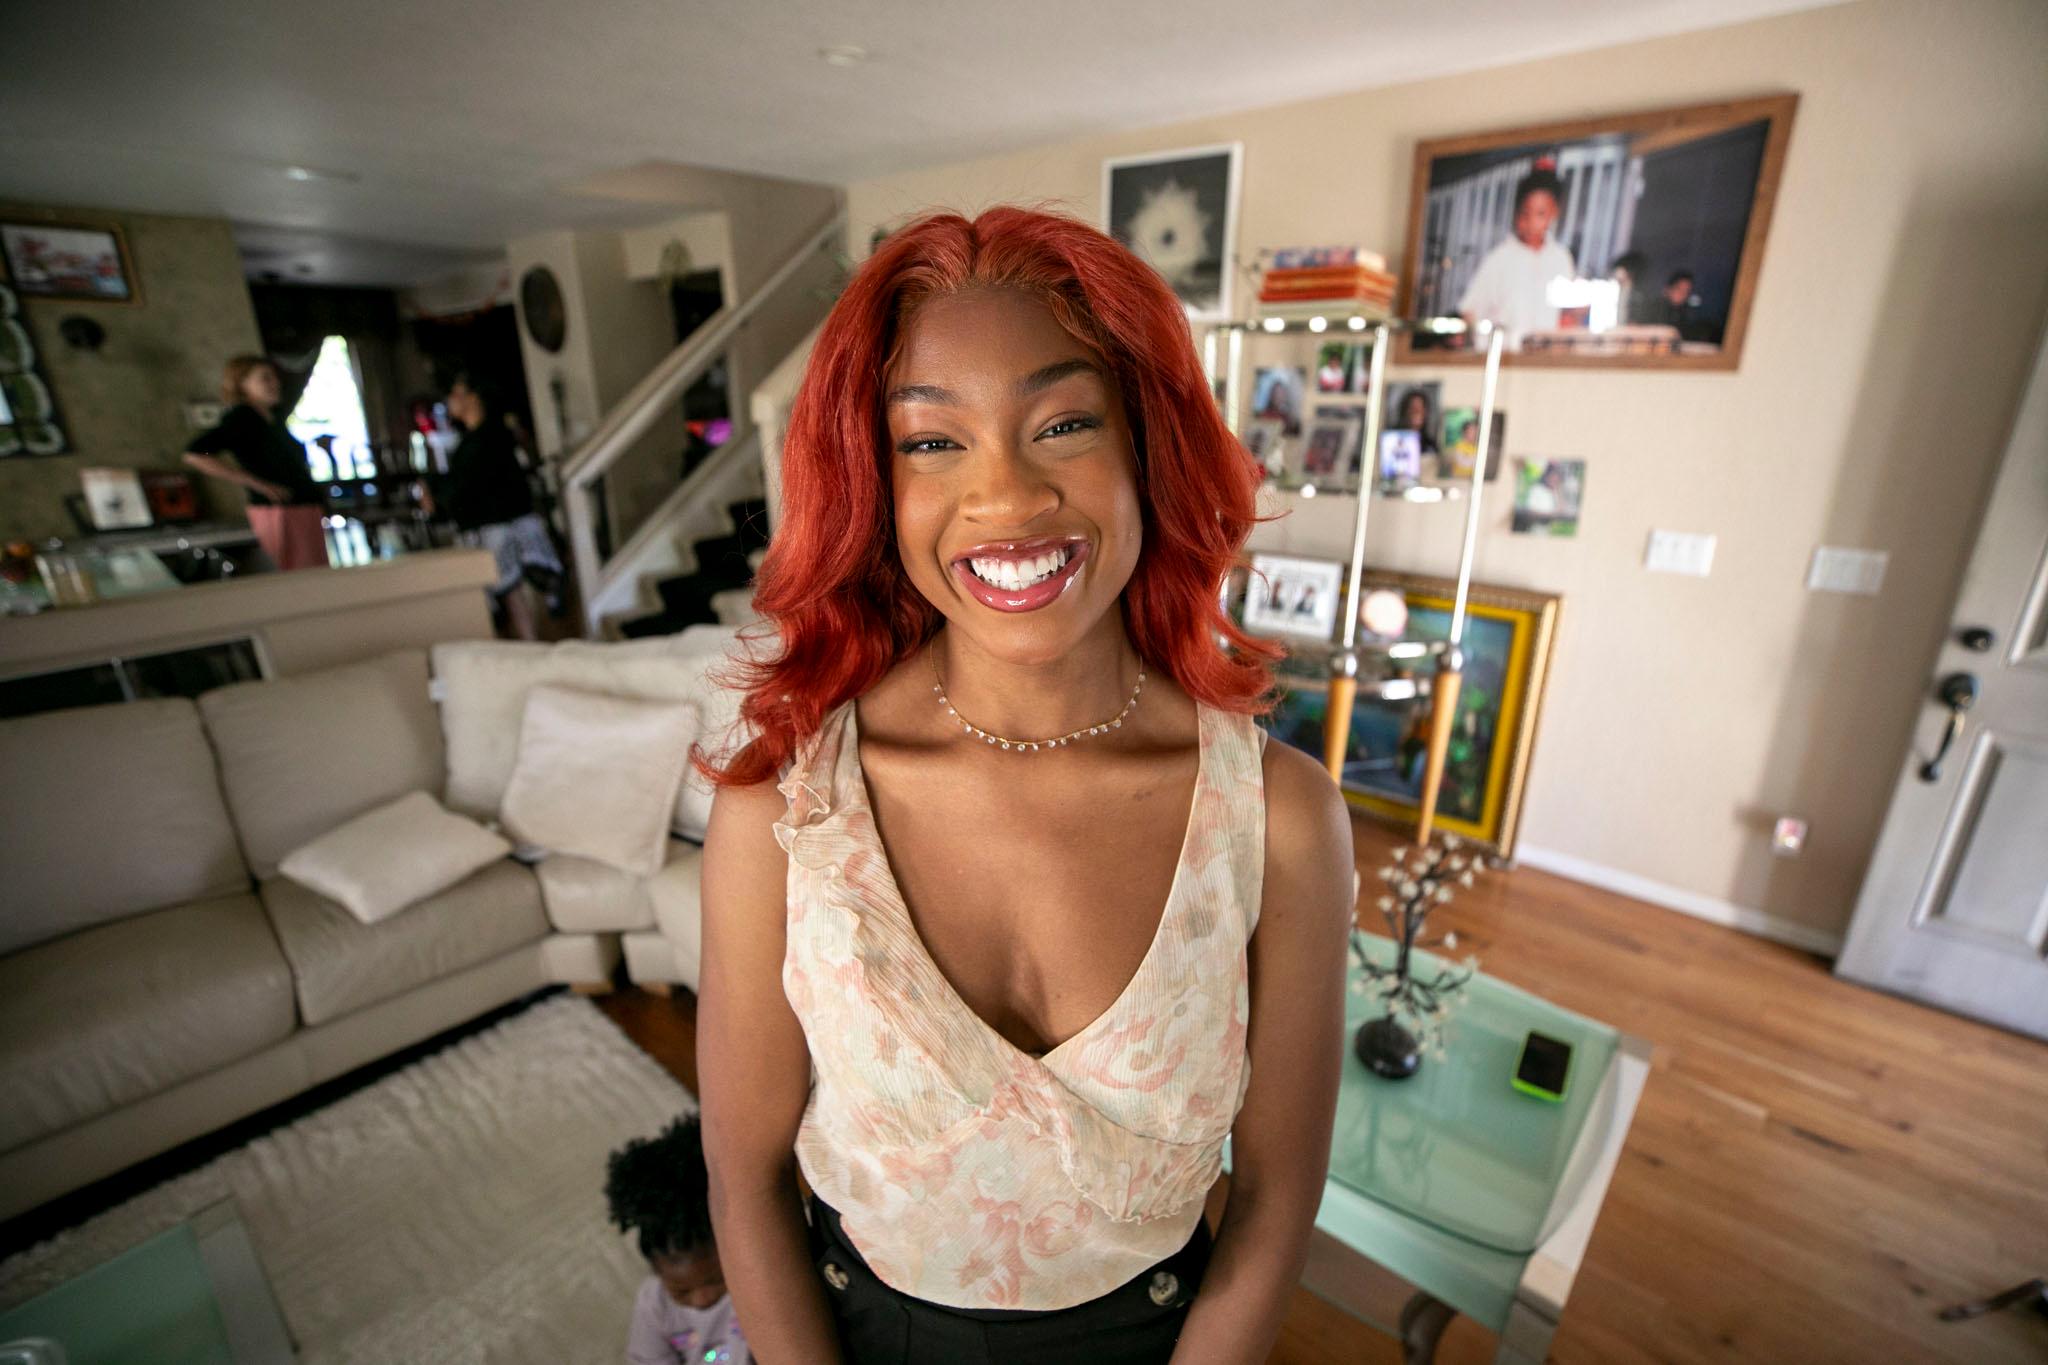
(1034, 745)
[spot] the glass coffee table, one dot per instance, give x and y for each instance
(195, 1295)
(1451, 1192)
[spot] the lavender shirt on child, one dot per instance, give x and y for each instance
(666, 1333)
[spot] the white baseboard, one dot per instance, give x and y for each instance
(1764, 925)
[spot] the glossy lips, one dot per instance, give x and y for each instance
(1030, 598)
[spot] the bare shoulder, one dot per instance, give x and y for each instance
(741, 853)
(1308, 831)
(1304, 809)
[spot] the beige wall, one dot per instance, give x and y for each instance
(1900, 302)
(125, 403)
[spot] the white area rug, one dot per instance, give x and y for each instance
(451, 1212)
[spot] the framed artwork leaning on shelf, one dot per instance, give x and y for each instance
(1509, 634)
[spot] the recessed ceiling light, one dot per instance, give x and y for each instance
(844, 54)
(309, 173)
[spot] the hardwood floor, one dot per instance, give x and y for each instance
(1813, 1171)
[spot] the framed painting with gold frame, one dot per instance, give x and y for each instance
(1510, 633)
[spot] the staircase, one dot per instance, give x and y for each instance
(658, 548)
(725, 567)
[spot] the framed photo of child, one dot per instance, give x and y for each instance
(1626, 240)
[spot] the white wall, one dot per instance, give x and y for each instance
(1899, 302)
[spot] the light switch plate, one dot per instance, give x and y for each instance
(1680, 552)
(1835, 569)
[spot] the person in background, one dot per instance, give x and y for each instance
(658, 1190)
(284, 503)
(1633, 305)
(1680, 308)
(485, 494)
(1512, 285)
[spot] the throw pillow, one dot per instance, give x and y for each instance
(597, 776)
(393, 856)
(483, 685)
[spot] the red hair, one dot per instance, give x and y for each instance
(832, 583)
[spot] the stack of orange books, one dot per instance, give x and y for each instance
(1361, 284)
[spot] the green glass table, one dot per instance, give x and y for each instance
(194, 1295)
(1476, 1198)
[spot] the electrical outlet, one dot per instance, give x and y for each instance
(1835, 569)
(1680, 552)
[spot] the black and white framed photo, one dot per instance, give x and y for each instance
(1285, 595)
(1178, 211)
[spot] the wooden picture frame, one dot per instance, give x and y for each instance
(1627, 198)
(80, 262)
(1509, 640)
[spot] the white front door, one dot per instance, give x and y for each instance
(1954, 910)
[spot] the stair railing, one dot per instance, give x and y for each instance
(651, 399)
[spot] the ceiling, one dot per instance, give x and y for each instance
(438, 131)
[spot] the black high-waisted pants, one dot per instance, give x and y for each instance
(1136, 1323)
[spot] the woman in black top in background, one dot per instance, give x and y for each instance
(485, 494)
(268, 461)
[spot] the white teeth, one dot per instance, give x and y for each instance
(1019, 573)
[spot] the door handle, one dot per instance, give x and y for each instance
(1958, 692)
(1976, 639)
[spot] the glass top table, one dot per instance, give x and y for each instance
(1471, 1195)
(194, 1295)
(1455, 1145)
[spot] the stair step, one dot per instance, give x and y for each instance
(723, 556)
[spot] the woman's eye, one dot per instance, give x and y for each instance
(923, 445)
(1068, 426)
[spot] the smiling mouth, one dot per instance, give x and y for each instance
(1021, 575)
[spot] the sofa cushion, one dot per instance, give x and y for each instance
(111, 811)
(483, 686)
(300, 755)
(388, 858)
(679, 908)
(340, 964)
(597, 776)
(584, 896)
(114, 1014)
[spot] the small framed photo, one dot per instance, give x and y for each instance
(1289, 596)
(1266, 439)
(1400, 458)
(1341, 367)
(69, 261)
(1329, 453)
(1414, 406)
(1461, 444)
(1280, 391)
(1178, 211)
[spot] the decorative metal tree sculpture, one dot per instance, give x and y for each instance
(1416, 880)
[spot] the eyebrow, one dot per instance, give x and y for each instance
(1038, 381)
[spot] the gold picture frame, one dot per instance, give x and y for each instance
(1510, 638)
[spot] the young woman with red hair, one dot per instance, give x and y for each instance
(994, 954)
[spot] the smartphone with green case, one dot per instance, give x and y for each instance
(1545, 1070)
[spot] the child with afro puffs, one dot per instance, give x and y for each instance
(658, 1189)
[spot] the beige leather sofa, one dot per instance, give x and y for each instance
(158, 979)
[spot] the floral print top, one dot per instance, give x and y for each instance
(971, 1173)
